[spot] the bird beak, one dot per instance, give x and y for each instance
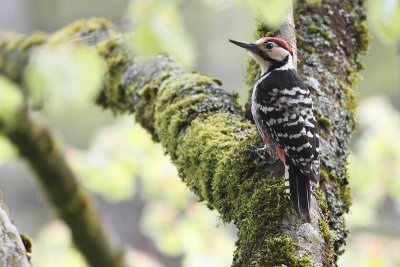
(251, 47)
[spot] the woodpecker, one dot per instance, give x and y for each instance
(283, 112)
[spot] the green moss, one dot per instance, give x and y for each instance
(27, 243)
(353, 77)
(108, 47)
(307, 7)
(321, 199)
(309, 49)
(14, 53)
(313, 3)
(217, 81)
(146, 106)
(324, 176)
(324, 123)
(207, 144)
(363, 37)
(115, 92)
(351, 102)
(13, 42)
(326, 234)
(280, 252)
(333, 176)
(346, 197)
(174, 104)
(262, 215)
(313, 29)
(324, 208)
(35, 39)
(345, 192)
(263, 30)
(323, 32)
(67, 33)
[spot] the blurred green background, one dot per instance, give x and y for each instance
(144, 204)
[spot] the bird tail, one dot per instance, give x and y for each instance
(298, 189)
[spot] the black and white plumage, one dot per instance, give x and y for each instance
(283, 111)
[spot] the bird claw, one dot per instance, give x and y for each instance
(257, 150)
(260, 151)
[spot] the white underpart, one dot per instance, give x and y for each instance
(266, 109)
(300, 90)
(303, 131)
(292, 91)
(284, 135)
(287, 183)
(288, 92)
(300, 100)
(288, 65)
(309, 124)
(263, 64)
(294, 122)
(300, 148)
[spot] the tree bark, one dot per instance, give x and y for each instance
(12, 250)
(203, 130)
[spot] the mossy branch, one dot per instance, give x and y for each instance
(202, 129)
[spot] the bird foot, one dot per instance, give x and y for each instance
(259, 151)
(262, 151)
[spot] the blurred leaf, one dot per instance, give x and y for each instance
(385, 18)
(162, 228)
(382, 73)
(69, 73)
(175, 232)
(367, 249)
(375, 162)
(270, 11)
(117, 155)
(218, 4)
(7, 151)
(138, 258)
(158, 27)
(11, 101)
(108, 167)
(54, 245)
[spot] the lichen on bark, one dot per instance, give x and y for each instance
(330, 38)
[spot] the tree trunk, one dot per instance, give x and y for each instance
(203, 130)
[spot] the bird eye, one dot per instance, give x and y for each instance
(269, 46)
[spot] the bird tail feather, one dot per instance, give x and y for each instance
(298, 189)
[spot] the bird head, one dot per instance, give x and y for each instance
(269, 52)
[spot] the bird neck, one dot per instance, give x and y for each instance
(285, 64)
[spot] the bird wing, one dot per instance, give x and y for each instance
(290, 120)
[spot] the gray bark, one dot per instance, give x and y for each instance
(12, 250)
